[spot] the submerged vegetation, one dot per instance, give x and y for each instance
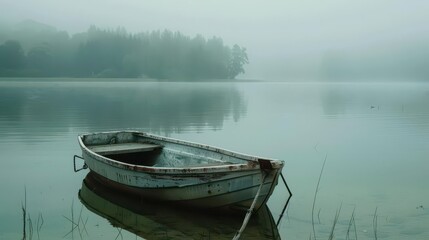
(351, 222)
(26, 218)
(36, 50)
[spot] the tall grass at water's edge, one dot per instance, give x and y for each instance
(352, 222)
(27, 218)
(78, 225)
(28, 228)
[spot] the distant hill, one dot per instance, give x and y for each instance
(30, 34)
(33, 26)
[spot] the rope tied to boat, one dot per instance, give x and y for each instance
(250, 210)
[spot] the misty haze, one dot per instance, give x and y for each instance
(337, 90)
(330, 41)
(38, 50)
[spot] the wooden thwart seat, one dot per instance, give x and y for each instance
(122, 148)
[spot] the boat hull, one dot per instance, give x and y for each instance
(151, 220)
(213, 194)
(223, 186)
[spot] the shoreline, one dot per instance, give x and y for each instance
(149, 80)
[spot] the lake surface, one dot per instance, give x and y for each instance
(374, 137)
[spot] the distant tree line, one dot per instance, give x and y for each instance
(116, 53)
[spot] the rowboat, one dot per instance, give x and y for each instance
(170, 170)
(151, 220)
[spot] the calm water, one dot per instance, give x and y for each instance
(375, 138)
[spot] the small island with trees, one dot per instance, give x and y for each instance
(37, 50)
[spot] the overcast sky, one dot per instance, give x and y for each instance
(279, 35)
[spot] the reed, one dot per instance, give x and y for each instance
(30, 227)
(24, 214)
(26, 217)
(337, 215)
(354, 226)
(318, 215)
(80, 225)
(315, 197)
(80, 220)
(27, 222)
(73, 224)
(39, 224)
(374, 223)
(119, 233)
(351, 223)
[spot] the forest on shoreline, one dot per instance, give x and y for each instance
(37, 50)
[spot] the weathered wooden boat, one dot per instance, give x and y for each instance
(151, 220)
(166, 169)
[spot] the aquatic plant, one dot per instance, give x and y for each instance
(315, 197)
(374, 223)
(80, 225)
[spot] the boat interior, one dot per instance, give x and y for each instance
(153, 155)
(133, 153)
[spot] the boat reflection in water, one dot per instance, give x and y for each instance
(153, 221)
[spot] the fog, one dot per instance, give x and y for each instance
(285, 40)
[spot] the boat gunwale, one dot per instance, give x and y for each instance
(252, 161)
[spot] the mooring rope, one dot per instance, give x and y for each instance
(287, 201)
(250, 210)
